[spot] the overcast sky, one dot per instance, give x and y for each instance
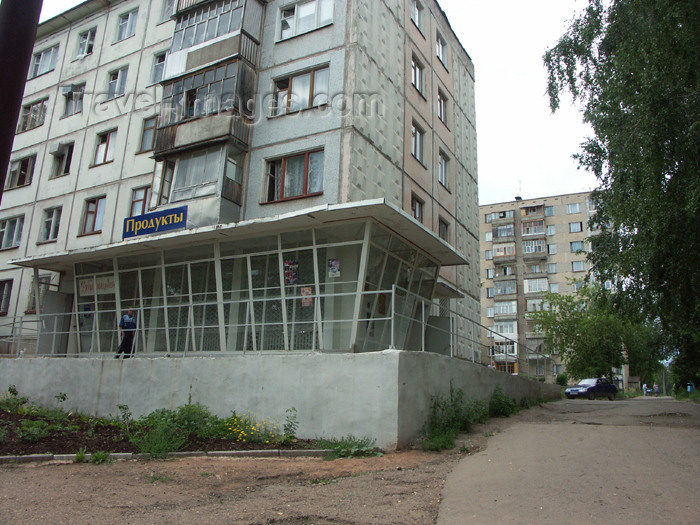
(523, 149)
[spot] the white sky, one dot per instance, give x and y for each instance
(523, 149)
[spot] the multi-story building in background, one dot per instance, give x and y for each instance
(246, 175)
(529, 247)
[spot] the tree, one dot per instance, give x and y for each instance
(634, 68)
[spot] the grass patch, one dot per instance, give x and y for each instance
(349, 447)
(100, 458)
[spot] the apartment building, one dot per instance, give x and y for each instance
(246, 175)
(529, 247)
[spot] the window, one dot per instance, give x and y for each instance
(305, 16)
(207, 23)
(417, 13)
(536, 285)
(552, 268)
(86, 42)
(533, 268)
(197, 174)
(442, 106)
(21, 172)
(548, 211)
(444, 230)
(488, 236)
(11, 232)
(104, 152)
(167, 10)
(117, 83)
(508, 327)
(74, 95)
(591, 205)
(576, 246)
(501, 250)
(506, 287)
(32, 116)
(500, 232)
(441, 49)
(575, 227)
(490, 292)
(417, 74)
(204, 93)
(490, 312)
(552, 249)
(488, 255)
(573, 208)
(506, 307)
(127, 25)
(297, 176)
(43, 62)
(302, 91)
(551, 229)
(554, 287)
(502, 271)
(534, 246)
(63, 156)
(534, 305)
(443, 170)
(5, 293)
(148, 134)
(490, 273)
(50, 224)
(578, 266)
(44, 284)
(578, 285)
(94, 213)
(417, 208)
(417, 137)
(140, 198)
(533, 228)
(158, 66)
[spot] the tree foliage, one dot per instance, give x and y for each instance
(634, 67)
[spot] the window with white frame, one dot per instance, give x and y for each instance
(502, 250)
(506, 307)
(554, 287)
(536, 285)
(417, 74)
(490, 272)
(5, 294)
(417, 208)
(577, 285)
(197, 174)
(50, 224)
(295, 176)
(488, 255)
(417, 13)
(167, 10)
(94, 214)
(533, 268)
(44, 284)
(43, 62)
(212, 20)
(417, 139)
(441, 49)
(506, 230)
(73, 95)
(576, 246)
(488, 236)
(11, 232)
(301, 91)
(533, 228)
(490, 312)
(502, 271)
(32, 115)
(506, 287)
(552, 249)
(551, 229)
(549, 211)
(552, 268)
(573, 208)
(126, 26)
(148, 134)
(443, 169)
(104, 151)
(490, 292)
(578, 266)
(535, 246)
(305, 16)
(158, 67)
(116, 84)
(442, 106)
(63, 156)
(86, 42)
(21, 172)
(575, 227)
(140, 197)
(507, 328)
(534, 305)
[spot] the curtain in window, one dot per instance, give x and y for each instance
(294, 176)
(315, 172)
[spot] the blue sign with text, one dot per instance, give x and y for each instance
(156, 222)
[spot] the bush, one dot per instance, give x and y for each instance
(502, 405)
(349, 447)
(562, 380)
(159, 440)
(33, 430)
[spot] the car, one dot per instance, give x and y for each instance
(592, 388)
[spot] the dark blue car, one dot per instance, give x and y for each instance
(592, 388)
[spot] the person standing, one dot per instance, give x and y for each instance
(656, 389)
(127, 326)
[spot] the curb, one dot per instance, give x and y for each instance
(275, 453)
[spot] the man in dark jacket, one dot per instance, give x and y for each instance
(127, 326)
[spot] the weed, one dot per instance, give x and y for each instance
(159, 441)
(488, 434)
(100, 457)
(125, 417)
(33, 430)
(80, 455)
(3, 433)
(291, 424)
(153, 478)
(501, 404)
(349, 447)
(206, 474)
(244, 429)
(12, 403)
(60, 397)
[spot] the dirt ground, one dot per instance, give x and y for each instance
(399, 488)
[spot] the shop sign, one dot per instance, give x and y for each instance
(156, 222)
(101, 285)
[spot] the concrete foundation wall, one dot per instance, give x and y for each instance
(384, 395)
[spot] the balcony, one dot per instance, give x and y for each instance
(222, 127)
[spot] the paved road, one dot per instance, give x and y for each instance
(588, 462)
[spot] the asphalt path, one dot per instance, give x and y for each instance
(579, 461)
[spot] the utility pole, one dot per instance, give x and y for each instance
(18, 22)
